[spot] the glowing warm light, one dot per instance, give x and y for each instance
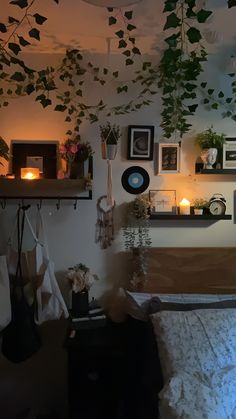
(184, 207)
(29, 173)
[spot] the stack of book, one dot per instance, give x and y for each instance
(95, 318)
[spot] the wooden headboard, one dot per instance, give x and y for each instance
(208, 270)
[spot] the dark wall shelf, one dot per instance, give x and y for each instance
(190, 217)
(216, 172)
(43, 189)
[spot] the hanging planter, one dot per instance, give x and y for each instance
(110, 135)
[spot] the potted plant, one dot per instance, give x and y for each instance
(210, 142)
(74, 153)
(199, 204)
(110, 135)
(4, 150)
(137, 238)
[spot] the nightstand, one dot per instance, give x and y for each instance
(96, 371)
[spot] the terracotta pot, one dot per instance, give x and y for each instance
(198, 211)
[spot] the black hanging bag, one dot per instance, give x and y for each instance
(20, 338)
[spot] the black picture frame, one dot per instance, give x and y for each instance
(23, 150)
(169, 158)
(140, 142)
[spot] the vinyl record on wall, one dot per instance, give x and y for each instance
(135, 180)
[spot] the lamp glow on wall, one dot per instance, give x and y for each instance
(29, 173)
(112, 3)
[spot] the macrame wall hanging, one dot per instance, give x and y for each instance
(104, 225)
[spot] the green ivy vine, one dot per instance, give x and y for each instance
(64, 86)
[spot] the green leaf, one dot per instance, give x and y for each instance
(45, 102)
(221, 94)
(203, 15)
(189, 86)
(129, 61)
(210, 91)
(203, 85)
(110, 9)
(12, 19)
(130, 27)
(206, 101)
(172, 40)
(21, 3)
(136, 50)
(129, 14)
(193, 35)
(115, 74)
(14, 47)
(23, 41)
(79, 92)
(3, 28)
(229, 99)
(60, 108)
(120, 33)
(127, 53)
(112, 20)
(192, 108)
(34, 33)
(39, 19)
(214, 106)
(172, 21)
(122, 44)
(105, 71)
(18, 76)
(170, 5)
(29, 89)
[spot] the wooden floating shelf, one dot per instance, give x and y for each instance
(43, 189)
(216, 172)
(204, 217)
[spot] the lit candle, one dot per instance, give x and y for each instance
(184, 207)
(29, 173)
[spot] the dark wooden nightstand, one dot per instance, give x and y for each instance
(96, 371)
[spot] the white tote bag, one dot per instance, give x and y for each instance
(5, 303)
(50, 303)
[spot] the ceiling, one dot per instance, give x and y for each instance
(78, 24)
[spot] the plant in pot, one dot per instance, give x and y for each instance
(137, 238)
(199, 204)
(110, 135)
(211, 144)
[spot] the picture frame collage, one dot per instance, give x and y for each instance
(141, 147)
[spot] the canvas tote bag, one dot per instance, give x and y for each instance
(5, 303)
(50, 304)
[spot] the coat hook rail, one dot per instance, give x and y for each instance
(22, 201)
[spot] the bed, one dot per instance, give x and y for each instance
(189, 308)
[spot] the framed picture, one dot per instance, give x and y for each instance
(140, 142)
(169, 158)
(163, 201)
(229, 154)
(34, 153)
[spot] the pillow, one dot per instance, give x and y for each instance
(197, 340)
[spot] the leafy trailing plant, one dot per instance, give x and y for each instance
(215, 100)
(210, 139)
(181, 64)
(110, 134)
(4, 150)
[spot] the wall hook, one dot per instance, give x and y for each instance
(58, 204)
(3, 203)
(75, 204)
(39, 204)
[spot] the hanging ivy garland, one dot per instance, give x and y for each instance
(177, 75)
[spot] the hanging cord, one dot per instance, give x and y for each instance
(110, 200)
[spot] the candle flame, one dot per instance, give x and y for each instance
(184, 202)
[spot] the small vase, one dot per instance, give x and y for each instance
(208, 157)
(80, 303)
(198, 211)
(108, 151)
